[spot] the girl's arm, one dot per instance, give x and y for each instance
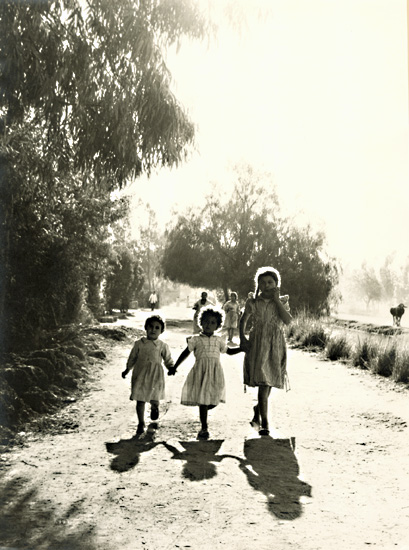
(282, 311)
(185, 353)
(167, 358)
(133, 356)
(243, 322)
(234, 351)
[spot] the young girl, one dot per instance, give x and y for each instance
(265, 361)
(232, 309)
(145, 361)
(204, 385)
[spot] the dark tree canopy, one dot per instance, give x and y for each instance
(224, 244)
(85, 104)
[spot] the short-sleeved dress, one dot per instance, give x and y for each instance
(145, 360)
(205, 384)
(265, 364)
(232, 310)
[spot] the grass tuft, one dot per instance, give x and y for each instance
(338, 348)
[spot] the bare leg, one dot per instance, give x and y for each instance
(203, 416)
(203, 410)
(140, 413)
(263, 395)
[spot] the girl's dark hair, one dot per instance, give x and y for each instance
(263, 271)
(154, 318)
(211, 311)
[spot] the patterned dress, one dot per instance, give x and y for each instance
(145, 360)
(205, 383)
(265, 364)
(232, 310)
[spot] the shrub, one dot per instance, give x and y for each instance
(307, 331)
(337, 347)
(401, 368)
(384, 363)
(364, 353)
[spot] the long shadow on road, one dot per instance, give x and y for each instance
(128, 451)
(271, 467)
(199, 458)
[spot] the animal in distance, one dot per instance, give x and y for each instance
(397, 313)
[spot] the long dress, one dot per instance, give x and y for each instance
(265, 364)
(145, 360)
(205, 384)
(232, 310)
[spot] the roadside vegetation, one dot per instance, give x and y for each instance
(379, 350)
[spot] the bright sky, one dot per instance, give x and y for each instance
(317, 93)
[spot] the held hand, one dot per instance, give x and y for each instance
(244, 345)
(124, 373)
(171, 371)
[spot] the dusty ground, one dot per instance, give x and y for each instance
(333, 474)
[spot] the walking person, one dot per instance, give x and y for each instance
(205, 385)
(265, 360)
(153, 300)
(145, 360)
(197, 306)
(232, 310)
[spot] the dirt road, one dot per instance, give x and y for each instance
(333, 474)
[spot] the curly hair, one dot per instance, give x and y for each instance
(154, 318)
(267, 270)
(211, 311)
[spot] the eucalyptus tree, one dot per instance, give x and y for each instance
(223, 244)
(86, 103)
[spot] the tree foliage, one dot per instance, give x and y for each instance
(223, 244)
(85, 104)
(368, 284)
(124, 277)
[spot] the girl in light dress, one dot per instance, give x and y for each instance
(205, 386)
(145, 361)
(265, 360)
(232, 310)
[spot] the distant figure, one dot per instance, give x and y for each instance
(153, 300)
(397, 313)
(232, 310)
(197, 307)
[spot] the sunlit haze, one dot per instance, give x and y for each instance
(317, 94)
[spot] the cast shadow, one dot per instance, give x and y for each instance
(28, 521)
(271, 467)
(128, 451)
(199, 457)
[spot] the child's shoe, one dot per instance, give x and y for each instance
(140, 429)
(154, 412)
(203, 434)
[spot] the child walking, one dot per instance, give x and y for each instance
(205, 385)
(145, 361)
(265, 360)
(232, 309)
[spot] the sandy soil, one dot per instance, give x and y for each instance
(333, 474)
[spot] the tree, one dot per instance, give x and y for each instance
(368, 284)
(388, 278)
(124, 279)
(224, 244)
(85, 104)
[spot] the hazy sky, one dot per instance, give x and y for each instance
(317, 93)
